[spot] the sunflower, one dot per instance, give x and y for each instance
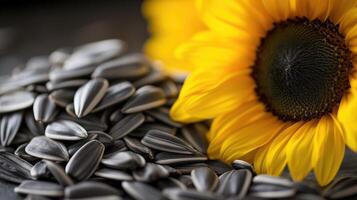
(166, 36)
(278, 79)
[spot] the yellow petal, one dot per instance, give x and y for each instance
(348, 20)
(277, 9)
(243, 19)
(250, 137)
(209, 51)
(299, 151)
(260, 164)
(276, 155)
(329, 148)
(206, 94)
(347, 116)
(340, 8)
(225, 125)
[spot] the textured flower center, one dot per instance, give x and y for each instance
(302, 69)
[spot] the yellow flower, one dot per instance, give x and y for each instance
(278, 78)
(171, 22)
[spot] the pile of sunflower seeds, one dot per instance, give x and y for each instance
(92, 123)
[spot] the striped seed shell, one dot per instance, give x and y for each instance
(89, 95)
(46, 148)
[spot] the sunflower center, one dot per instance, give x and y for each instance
(302, 69)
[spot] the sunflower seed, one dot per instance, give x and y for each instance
(44, 109)
(141, 191)
(115, 147)
(165, 158)
(89, 95)
(241, 164)
(204, 179)
(67, 84)
(179, 194)
(91, 190)
(72, 149)
(146, 127)
(151, 172)
(13, 168)
(271, 187)
(166, 142)
(20, 152)
(58, 172)
(162, 114)
(170, 183)
(341, 188)
(113, 174)
(59, 56)
(39, 170)
(9, 127)
(129, 67)
(65, 130)
(37, 88)
(85, 161)
(126, 160)
(187, 168)
(126, 125)
(43, 147)
(155, 76)
(235, 183)
(196, 136)
(36, 197)
(62, 97)
(116, 116)
(17, 100)
(116, 94)
(145, 98)
(89, 122)
(218, 166)
(102, 137)
(35, 127)
(170, 88)
(136, 146)
(41, 188)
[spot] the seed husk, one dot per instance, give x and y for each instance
(151, 172)
(235, 183)
(13, 168)
(45, 148)
(126, 125)
(91, 190)
(42, 188)
(162, 114)
(17, 100)
(113, 174)
(65, 130)
(166, 158)
(341, 188)
(272, 187)
(125, 160)
(89, 95)
(116, 93)
(204, 179)
(141, 191)
(9, 127)
(129, 67)
(163, 141)
(44, 109)
(39, 170)
(196, 135)
(85, 161)
(58, 172)
(136, 146)
(66, 84)
(145, 98)
(179, 194)
(62, 97)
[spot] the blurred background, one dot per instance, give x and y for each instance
(36, 27)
